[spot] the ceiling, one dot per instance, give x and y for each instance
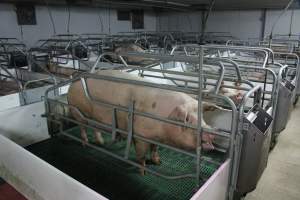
(167, 4)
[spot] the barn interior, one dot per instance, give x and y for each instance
(149, 99)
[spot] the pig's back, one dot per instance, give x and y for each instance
(147, 99)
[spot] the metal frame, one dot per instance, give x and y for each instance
(272, 101)
(132, 111)
(9, 45)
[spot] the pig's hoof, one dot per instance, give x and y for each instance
(98, 137)
(100, 142)
(156, 161)
(142, 172)
(84, 143)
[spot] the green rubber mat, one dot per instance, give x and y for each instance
(115, 179)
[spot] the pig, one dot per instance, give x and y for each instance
(235, 95)
(126, 48)
(172, 105)
(64, 71)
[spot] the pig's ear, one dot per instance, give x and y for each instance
(179, 114)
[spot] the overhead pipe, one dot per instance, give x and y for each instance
(277, 20)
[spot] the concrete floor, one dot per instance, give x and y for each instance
(281, 179)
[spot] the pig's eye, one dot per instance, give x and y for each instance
(187, 119)
(191, 119)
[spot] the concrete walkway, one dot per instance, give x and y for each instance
(281, 179)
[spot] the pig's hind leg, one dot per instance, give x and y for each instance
(98, 137)
(83, 131)
(154, 155)
(84, 137)
(141, 149)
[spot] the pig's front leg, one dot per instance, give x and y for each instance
(84, 137)
(141, 149)
(98, 137)
(154, 155)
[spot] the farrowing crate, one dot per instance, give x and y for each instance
(195, 169)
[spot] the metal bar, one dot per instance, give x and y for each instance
(102, 125)
(198, 92)
(148, 115)
(130, 129)
(199, 124)
(114, 124)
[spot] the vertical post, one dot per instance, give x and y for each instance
(130, 129)
(73, 56)
(291, 23)
(202, 26)
(199, 127)
(263, 24)
(114, 124)
(205, 16)
(109, 30)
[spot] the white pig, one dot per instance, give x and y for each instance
(172, 105)
(126, 48)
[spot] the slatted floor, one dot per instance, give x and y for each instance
(115, 179)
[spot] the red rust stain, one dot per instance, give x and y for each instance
(7, 192)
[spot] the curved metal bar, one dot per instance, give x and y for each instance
(235, 65)
(35, 81)
(265, 51)
(246, 97)
(20, 86)
(100, 57)
(198, 92)
(234, 111)
(297, 67)
(12, 77)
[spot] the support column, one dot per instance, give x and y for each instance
(263, 23)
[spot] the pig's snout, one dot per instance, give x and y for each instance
(238, 97)
(207, 141)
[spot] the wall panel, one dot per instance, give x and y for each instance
(83, 20)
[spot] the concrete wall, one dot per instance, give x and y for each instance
(241, 24)
(83, 20)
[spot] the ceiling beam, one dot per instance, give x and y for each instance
(166, 5)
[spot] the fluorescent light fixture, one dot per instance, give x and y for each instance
(168, 2)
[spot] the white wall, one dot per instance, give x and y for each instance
(179, 21)
(241, 24)
(283, 25)
(83, 20)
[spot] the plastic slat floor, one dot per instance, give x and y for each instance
(115, 179)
